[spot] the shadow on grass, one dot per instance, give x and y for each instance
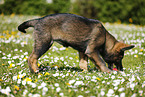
(64, 68)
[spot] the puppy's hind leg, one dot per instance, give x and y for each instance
(83, 61)
(42, 43)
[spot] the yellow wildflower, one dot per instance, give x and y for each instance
(16, 87)
(23, 76)
(11, 65)
(68, 84)
(13, 32)
(35, 80)
(2, 37)
(1, 80)
(46, 74)
(12, 15)
(130, 20)
(2, 14)
(38, 65)
(3, 64)
(6, 32)
(8, 36)
(25, 58)
(28, 79)
(46, 78)
(98, 78)
(136, 56)
(66, 49)
(141, 50)
(18, 77)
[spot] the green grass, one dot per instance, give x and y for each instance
(62, 75)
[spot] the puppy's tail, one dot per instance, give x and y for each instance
(27, 24)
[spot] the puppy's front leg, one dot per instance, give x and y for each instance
(83, 61)
(97, 60)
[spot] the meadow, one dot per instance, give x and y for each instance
(61, 75)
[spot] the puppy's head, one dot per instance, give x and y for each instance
(117, 54)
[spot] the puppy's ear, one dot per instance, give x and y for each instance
(119, 46)
(127, 47)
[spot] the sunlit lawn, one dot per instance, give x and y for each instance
(61, 75)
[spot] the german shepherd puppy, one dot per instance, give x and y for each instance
(88, 36)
